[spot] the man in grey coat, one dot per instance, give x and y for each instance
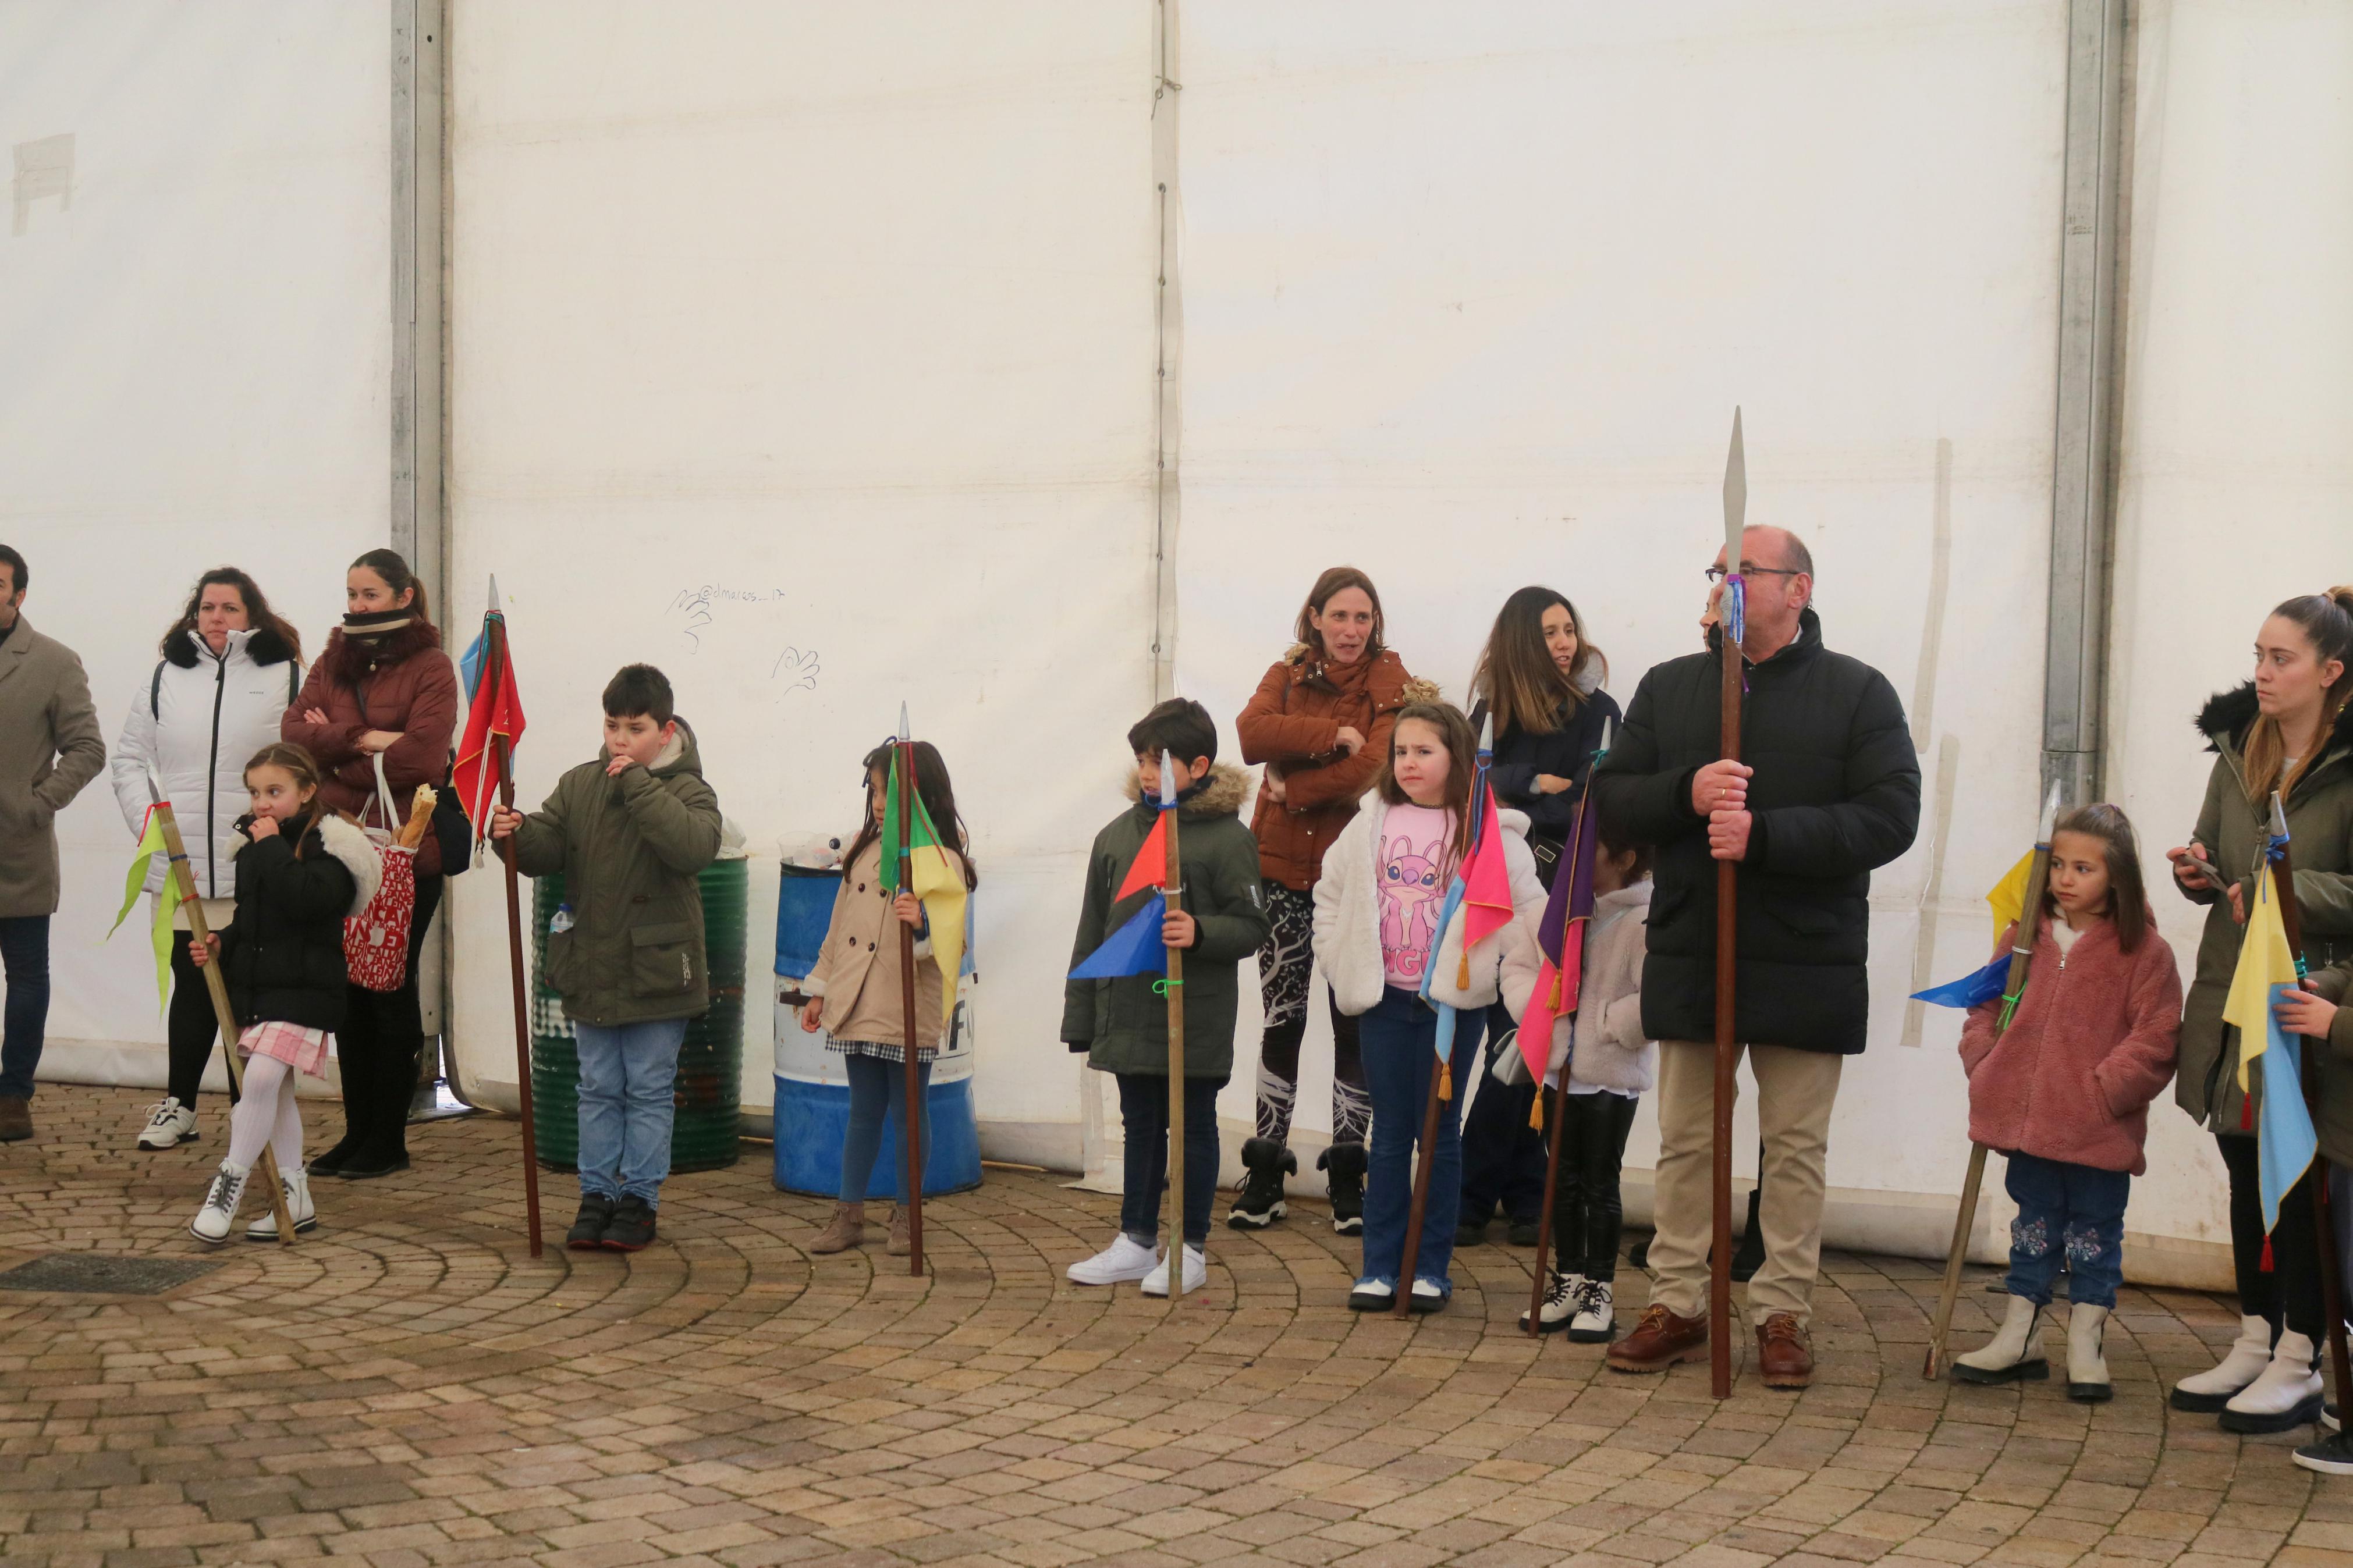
(50, 746)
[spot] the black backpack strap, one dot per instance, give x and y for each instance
(155, 693)
(293, 680)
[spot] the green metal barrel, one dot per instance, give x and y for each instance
(704, 1132)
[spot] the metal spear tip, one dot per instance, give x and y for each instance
(1487, 731)
(1736, 495)
(2279, 816)
(494, 595)
(1167, 779)
(1605, 736)
(903, 733)
(2050, 817)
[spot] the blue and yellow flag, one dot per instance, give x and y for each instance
(2284, 1141)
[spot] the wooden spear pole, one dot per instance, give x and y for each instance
(1414, 1216)
(2340, 1365)
(184, 892)
(2021, 958)
(1577, 846)
(495, 653)
(1728, 925)
(911, 1124)
(1172, 891)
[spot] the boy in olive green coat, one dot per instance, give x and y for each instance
(629, 832)
(1220, 918)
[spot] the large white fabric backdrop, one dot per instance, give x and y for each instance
(195, 327)
(806, 353)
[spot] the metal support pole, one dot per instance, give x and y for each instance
(2083, 490)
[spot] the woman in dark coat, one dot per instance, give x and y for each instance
(1540, 679)
(381, 688)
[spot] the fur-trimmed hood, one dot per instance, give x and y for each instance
(348, 658)
(1382, 673)
(2228, 716)
(1227, 787)
(261, 644)
(348, 845)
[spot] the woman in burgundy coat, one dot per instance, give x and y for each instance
(383, 688)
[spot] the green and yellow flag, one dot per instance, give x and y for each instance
(935, 879)
(151, 844)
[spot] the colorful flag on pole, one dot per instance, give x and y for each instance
(2284, 1141)
(494, 709)
(1560, 940)
(151, 844)
(2007, 897)
(1135, 948)
(932, 875)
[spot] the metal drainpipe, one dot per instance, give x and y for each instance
(2082, 489)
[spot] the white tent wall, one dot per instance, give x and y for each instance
(195, 323)
(807, 352)
(1469, 297)
(2236, 482)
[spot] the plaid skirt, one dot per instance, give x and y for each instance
(304, 1049)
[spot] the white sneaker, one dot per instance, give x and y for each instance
(1563, 1292)
(297, 1185)
(1196, 1273)
(169, 1125)
(2286, 1396)
(1123, 1259)
(2208, 1391)
(1596, 1322)
(212, 1222)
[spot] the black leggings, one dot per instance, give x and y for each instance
(2290, 1290)
(1587, 1213)
(189, 1027)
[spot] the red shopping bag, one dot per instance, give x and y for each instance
(376, 939)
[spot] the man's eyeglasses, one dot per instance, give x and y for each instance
(1716, 574)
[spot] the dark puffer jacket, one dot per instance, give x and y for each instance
(2233, 829)
(282, 956)
(1835, 796)
(1562, 752)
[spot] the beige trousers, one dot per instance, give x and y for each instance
(1795, 1091)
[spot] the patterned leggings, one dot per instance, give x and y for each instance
(1285, 965)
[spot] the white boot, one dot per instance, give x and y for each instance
(297, 1185)
(212, 1220)
(1196, 1273)
(1596, 1322)
(2087, 1367)
(1563, 1294)
(2014, 1354)
(2208, 1391)
(2287, 1394)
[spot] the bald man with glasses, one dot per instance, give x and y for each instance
(1829, 793)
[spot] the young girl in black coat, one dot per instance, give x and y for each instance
(300, 871)
(1540, 678)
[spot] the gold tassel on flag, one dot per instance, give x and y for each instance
(1446, 1080)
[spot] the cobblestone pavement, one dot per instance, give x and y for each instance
(407, 1386)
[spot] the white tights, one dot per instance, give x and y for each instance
(265, 1113)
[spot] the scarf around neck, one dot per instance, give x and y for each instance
(380, 623)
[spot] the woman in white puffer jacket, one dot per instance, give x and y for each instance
(228, 671)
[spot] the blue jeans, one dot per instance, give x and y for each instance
(875, 1087)
(1400, 1036)
(629, 1083)
(2072, 1214)
(1144, 1174)
(24, 958)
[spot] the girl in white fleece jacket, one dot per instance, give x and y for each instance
(1609, 1066)
(1376, 908)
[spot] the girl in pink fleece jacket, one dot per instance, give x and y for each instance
(2065, 1093)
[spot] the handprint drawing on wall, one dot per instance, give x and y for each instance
(798, 668)
(1410, 894)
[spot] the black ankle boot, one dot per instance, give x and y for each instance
(1261, 1202)
(1344, 1164)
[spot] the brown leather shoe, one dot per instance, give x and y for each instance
(16, 1118)
(1783, 1355)
(1658, 1342)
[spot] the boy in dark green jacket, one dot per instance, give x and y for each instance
(1123, 1025)
(629, 832)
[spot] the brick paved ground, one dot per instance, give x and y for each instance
(409, 1387)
